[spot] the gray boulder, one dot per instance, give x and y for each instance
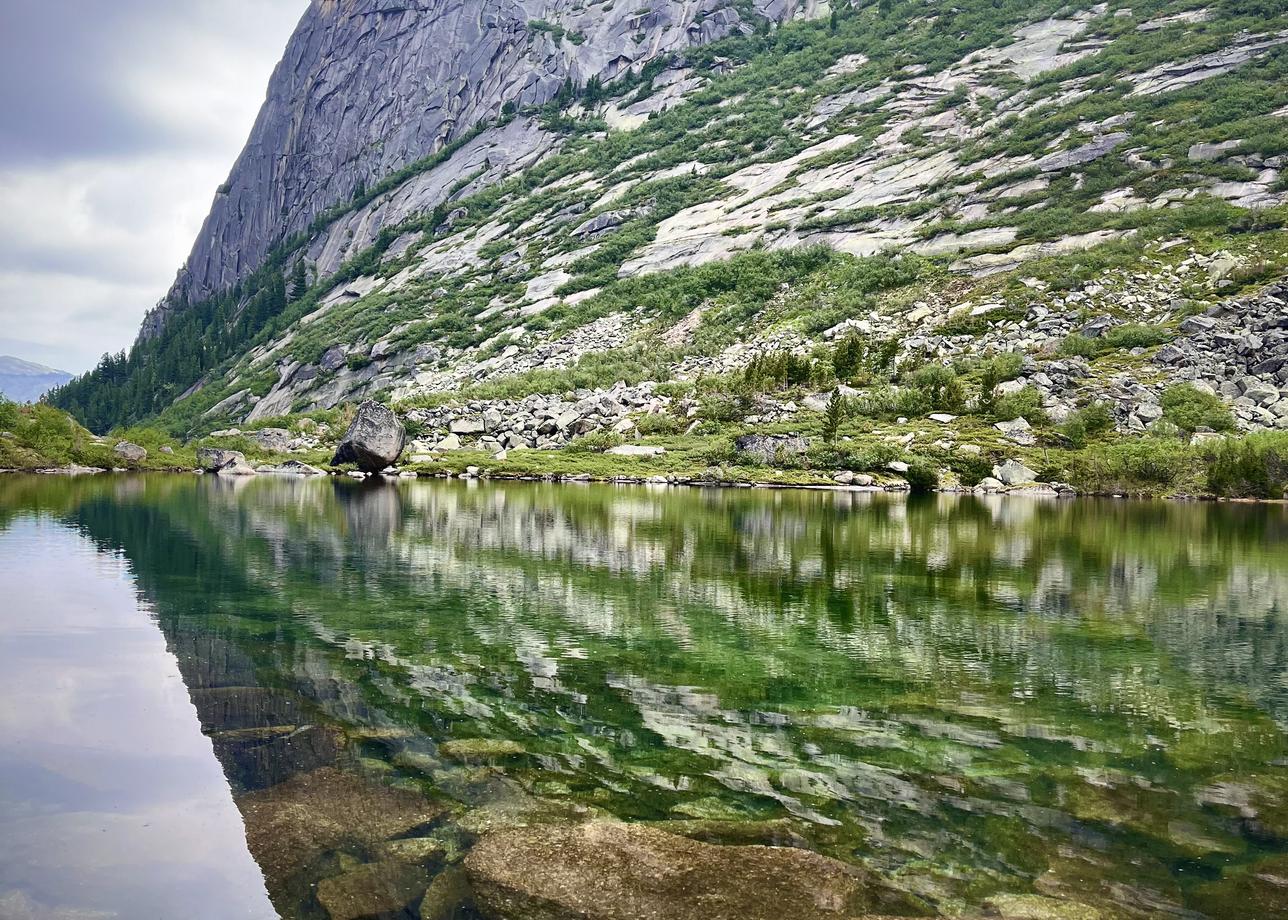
(636, 450)
(374, 441)
(1017, 430)
(214, 459)
(238, 467)
(129, 451)
(1013, 473)
(273, 440)
(767, 447)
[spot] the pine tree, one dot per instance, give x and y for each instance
(299, 280)
(835, 413)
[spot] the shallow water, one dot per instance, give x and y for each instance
(1085, 700)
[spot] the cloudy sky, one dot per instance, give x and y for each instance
(118, 120)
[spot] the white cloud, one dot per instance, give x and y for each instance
(92, 232)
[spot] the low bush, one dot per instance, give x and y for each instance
(1189, 409)
(1119, 338)
(1087, 422)
(1025, 404)
(1252, 467)
(934, 388)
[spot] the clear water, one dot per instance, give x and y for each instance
(215, 696)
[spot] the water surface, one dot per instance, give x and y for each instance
(1084, 700)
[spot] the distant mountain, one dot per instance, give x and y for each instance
(22, 381)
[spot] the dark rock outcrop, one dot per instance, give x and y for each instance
(374, 440)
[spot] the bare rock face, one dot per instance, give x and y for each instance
(610, 871)
(375, 439)
(369, 86)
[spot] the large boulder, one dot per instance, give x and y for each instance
(273, 440)
(1014, 473)
(130, 452)
(611, 871)
(768, 447)
(374, 440)
(214, 459)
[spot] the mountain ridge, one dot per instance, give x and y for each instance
(26, 381)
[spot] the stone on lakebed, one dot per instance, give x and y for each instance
(606, 870)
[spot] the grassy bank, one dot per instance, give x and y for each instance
(919, 453)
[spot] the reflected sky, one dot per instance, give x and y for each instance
(112, 803)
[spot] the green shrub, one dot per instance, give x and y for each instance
(722, 407)
(1137, 335)
(937, 388)
(595, 442)
(1096, 418)
(1139, 465)
(1189, 409)
(661, 423)
(1025, 404)
(1252, 467)
(1119, 338)
(922, 476)
(996, 371)
(1079, 346)
(777, 371)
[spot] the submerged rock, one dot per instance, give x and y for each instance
(1036, 907)
(480, 748)
(372, 889)
(611, 871)
(290, 825)
(374, 440)
(448, 897)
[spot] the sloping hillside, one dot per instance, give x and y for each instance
(887, 196)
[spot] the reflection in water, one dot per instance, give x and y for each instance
(110, 803)
(1082, 699)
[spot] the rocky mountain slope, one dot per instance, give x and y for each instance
(530, 222)
(367, 87)
(24, 381)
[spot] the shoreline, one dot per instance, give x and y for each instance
(1031, 491)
